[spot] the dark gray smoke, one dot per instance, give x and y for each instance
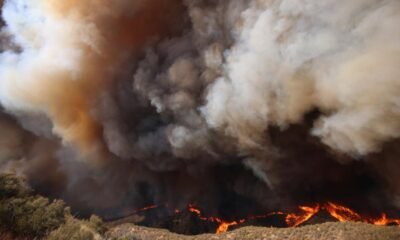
(113, 106)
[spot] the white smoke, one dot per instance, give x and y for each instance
(291, 57)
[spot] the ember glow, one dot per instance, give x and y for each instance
(145, 208)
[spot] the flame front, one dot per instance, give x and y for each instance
(384, 220)
(342, 214)
(338, 212)
(223, 225)
(293, 220)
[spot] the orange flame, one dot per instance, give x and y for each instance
(223, 225)
(192, 209)
(339, 212)
(342, 214)
(293, 220)
(384, 220)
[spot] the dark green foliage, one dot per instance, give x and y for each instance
(25, 215)
(33, 216)
(12, 186)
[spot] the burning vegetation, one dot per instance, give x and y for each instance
(304, 213)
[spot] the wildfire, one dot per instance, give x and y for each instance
(384, 220)
(293, 220)
(342, 214)
(223, 225)
(195, 210)
(338, 212)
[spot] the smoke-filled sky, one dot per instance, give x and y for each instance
(114, 104)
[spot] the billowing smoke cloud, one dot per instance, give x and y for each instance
(129, 99)
(67, 55)
(292, 57)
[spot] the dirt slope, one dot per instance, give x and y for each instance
(326, 231)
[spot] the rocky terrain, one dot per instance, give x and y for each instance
(325, 231)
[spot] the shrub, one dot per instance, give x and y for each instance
(33, 216)
(12, 186)
(25, 215)
(97, 224)
(78, 230)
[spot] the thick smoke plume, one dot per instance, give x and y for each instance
(117, 104)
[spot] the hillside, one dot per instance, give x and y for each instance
(325, 231)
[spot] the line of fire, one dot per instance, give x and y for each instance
(304, 214)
